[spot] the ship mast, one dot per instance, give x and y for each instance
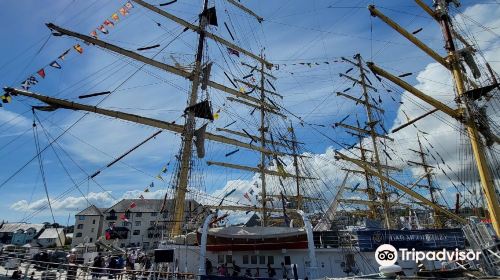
(371, 123)
(465, 114)
(188, 133)
(263, 130)
(299, 197)
(427, 172)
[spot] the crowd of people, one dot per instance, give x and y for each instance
(114, 266)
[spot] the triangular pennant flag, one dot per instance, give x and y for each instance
(201, 110)
(25, 85)
(109, 23)
(141, 196)
(216, 116)
(32, 80)
(55, 64)
(103, 29)
(41, 72)
(132, 205)
(78, 48)
(251, 191)
(123, 11)
(6, 98)
(63, 55)
(93, 34)
(159, 177)
(115, 17)
(152, 185)
(247, 197)
(146, 190)
(281, 169)
(164, 169)
(128, 5)
(199, 141)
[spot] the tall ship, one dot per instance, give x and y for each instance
(302, 223)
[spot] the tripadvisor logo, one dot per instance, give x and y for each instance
(387, 254)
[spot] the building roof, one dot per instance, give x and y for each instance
(144, 205)
(13, 227)
(50, 233)
(92, 210)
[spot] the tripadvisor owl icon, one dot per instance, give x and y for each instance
(386, 254)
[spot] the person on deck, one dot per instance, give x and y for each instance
(236, 270)
(271, 272)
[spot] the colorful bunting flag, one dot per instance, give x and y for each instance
(41, 73)
(216, 116)
(128, 5)
(55, 64)
(115, 17)
(78, 48)
(103, 29)
(93, 34)
(123, 11)
(109, 23)
(132, 205)
(247, 197)
(6, 98)
(234, 52)
(63, 55)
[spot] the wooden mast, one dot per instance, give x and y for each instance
(188, 133)
(373, 135)
(297, 170)
(463, 115)
(263, 130)
(427, 170)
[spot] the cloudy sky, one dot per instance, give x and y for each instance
(299, 36)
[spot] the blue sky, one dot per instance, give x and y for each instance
(292, 32)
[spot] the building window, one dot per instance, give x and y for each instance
(229, 258)
(165, 215)
(253, 259)
(137, 223)
(145, 245)
(93, 221)
(92, 230)
(81, 218)
(137, 232)
(79, 234)
(245, 259)
(270, 259)
(91, 239)
(154, 214)
(79, 226)
(288, 260)
(152, 223)
(138, 215)
(220, 258)
(262, 259)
